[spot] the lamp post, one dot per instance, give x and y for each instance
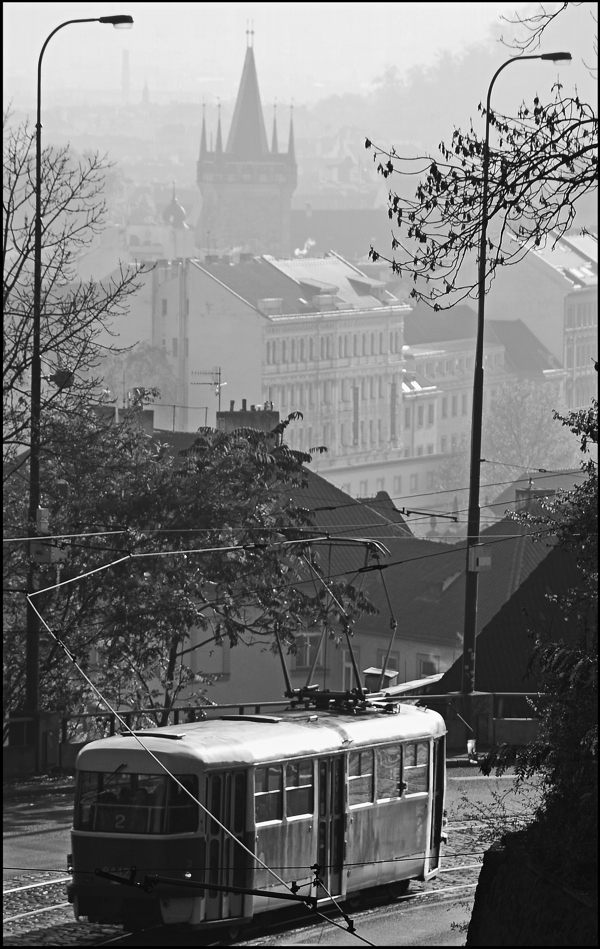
(474, 519)
(33, 626)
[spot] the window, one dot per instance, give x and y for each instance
(311, 349)
(373, 387)
(293, 351)
(444, 443)
(430, 449)
(430, 413)
(307, 645)
(464, 403)
(175, 349)
(372, 344)
(360, 777)
(416, 767)
(397, 484)
(428, 368)
(299, 788)
(427, 665)
(454, 405)
(355, 344)
(302, 350)
(419, 450)
(407, 418)
(364, 344)
(420, 414)
(340, 347)
(444, 408)
(430, 479)
(268, 793)
(135, 803)
(389, 763)
(164, 307)
(186, 347)
(414, 482)
(380, 484)
(454, 443)
(362, 489)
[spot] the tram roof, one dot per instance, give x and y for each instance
(246, 740)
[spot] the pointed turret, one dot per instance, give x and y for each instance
(274, 146)
(291, 152)
(219, 146)
(203, 135)
(247, 136)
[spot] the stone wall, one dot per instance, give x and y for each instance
(517, 904)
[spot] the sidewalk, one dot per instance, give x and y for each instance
(36, 785)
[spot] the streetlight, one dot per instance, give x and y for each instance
(33, 627)
(473, 527)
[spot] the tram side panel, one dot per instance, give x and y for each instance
(388, 814)
(284, 816)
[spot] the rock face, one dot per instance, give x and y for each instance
(517, 904)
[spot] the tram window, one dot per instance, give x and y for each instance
(268, 793)
(361, 772)
(389, 765)
(299, 788)
(416, 767)
(135, 803)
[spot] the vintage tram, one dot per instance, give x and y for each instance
(360, 796)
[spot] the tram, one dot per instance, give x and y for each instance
(334, 803)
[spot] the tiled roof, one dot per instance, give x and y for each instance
(540, 483)
(333, 274)
(504, 644)
(383, 504)
(574, 258)
(523, 350)
(255, 280)
(427, 583)
(423, 325)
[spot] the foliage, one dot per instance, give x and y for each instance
(223, 513)
(565, 833)
(142, 366)
(519, 435)
(543, 162)
(75, 316)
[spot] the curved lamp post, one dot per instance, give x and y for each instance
(33, 628)
(474, 519)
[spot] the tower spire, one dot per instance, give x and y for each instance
(219, 146)
(203, 135)
(247, 140)
(274, 147)
(291, 149)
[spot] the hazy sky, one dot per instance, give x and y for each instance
(304, 50)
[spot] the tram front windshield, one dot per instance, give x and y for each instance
(113, 802)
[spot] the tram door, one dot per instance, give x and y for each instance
(437, 808)
(226, 800)
(330, 854)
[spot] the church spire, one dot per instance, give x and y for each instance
(274, 147)
(291, 152)
(247, 139)
(203, 135)
(219, 147)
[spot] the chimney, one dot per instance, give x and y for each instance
(244, 405)
(231, 405)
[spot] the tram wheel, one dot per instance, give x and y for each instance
(398, 888)
(233, 932)
(355, 901)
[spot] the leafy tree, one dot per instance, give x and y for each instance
(142, 366)
(544, 160)
(228, 499)
(74, 315)
(520, 433)
(564, 835)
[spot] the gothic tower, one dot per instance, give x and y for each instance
(246, 188)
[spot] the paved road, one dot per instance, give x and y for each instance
(36, 833)
(424, 924)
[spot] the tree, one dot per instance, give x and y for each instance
(76, 317)
(564, 835)
(142, 366)
(520, 434)
(228, 498)
(543, 162)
